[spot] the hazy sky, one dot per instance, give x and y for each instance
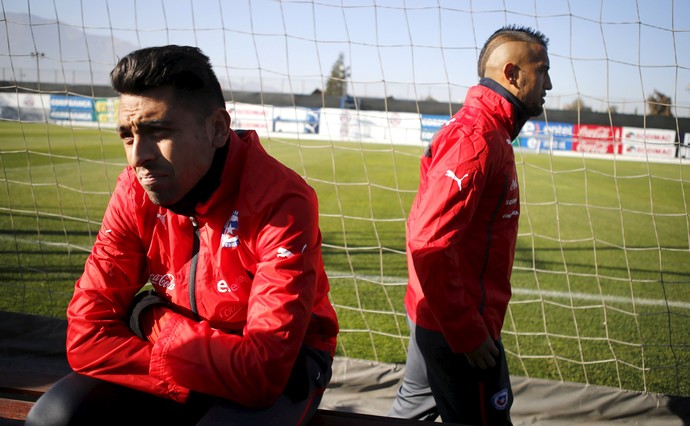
(608, 52)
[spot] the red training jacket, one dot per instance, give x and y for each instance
(462, 228)
(245, 274)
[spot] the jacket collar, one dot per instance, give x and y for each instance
(521, 116)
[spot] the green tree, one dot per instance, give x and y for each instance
(337, 82)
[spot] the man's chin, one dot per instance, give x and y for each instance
(159, 199)
(535, 111)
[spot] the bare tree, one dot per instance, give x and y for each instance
(577, 105)
(659, 104)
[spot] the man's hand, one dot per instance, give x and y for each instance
(153, 320)
(484, 356)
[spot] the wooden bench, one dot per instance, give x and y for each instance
(15, 405)
(19, 390)
(16, 400)
(31, 360)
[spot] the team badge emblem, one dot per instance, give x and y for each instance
(229, 239)
(500, 400)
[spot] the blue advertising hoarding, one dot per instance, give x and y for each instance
(431, 124)
(540, 135)
(72, 108)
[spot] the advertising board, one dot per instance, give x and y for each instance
(597, 139)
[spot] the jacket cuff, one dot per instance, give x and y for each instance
(140, 303)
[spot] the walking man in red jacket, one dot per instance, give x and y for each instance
(461, 236)
(237, 327)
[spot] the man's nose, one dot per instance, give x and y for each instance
(143, 150)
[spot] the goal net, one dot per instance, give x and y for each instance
(348, 93)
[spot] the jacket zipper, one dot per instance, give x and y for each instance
(192, 267)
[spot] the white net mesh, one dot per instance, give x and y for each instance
(602, 273)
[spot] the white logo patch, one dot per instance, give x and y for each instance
(451, 175)
(163, 280)
(105, 233)
(223, 287)
(283, 252)
(511, 214)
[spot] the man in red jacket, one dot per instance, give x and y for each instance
(237, 327)
(461, 236)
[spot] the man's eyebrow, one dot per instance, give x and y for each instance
(145, 124)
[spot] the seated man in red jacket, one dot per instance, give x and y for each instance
(237, 328)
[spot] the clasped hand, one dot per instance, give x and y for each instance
(484, 356)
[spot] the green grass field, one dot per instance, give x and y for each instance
(601, 279)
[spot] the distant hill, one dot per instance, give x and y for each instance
(66, 54)
(62, 51)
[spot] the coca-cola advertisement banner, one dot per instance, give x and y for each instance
(596, 139)
(249, 116)
(549, 136)
(650, 143)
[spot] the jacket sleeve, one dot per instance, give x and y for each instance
(99, 341)
(252, 369)
(445, 207)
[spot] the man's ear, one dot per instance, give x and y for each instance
(221, 127)
(510, 73)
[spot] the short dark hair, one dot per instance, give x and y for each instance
(507, 34)
(185, 68)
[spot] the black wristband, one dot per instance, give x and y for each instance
(140, 303)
